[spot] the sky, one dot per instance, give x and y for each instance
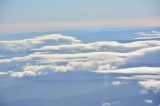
(29, 15)
(66, 67)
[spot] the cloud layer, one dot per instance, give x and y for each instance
(59, 53)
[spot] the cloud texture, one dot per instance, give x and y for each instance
(59, 53)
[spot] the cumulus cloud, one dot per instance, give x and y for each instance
(150, 85)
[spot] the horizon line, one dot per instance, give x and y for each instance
(22, 27)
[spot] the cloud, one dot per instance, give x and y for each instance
(145, 76)
(41, 56)
(106, 104)
(23, 74)
(110, 103)
(3, 73)
(143, 35)
(150, 85)
(96, 60)
(148, 101)
(134, 70)
(85, 61)
(153, 34)
(15, 59)
(111, 46)
(57, 37)
(144, 57)
(27, 44)
(118, 83)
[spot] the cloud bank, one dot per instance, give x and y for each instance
(59, 53)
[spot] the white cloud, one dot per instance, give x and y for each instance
(150, 85)
(117, 83)
(16, 59)
(106, 104)
(144, 57)
(148, 101)
(111, 46)
(57, 37)
(156, 76)
(139, 57)
(110, 103)
(101, 61)
(23, 73)
(143, 35)
(27, 44)
(134, 70)
(3, 73)
(143, 92)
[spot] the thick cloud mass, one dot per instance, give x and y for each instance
(59, 53)
(153, 85)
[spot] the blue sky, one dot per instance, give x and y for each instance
(21, 12)
(66, 67)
